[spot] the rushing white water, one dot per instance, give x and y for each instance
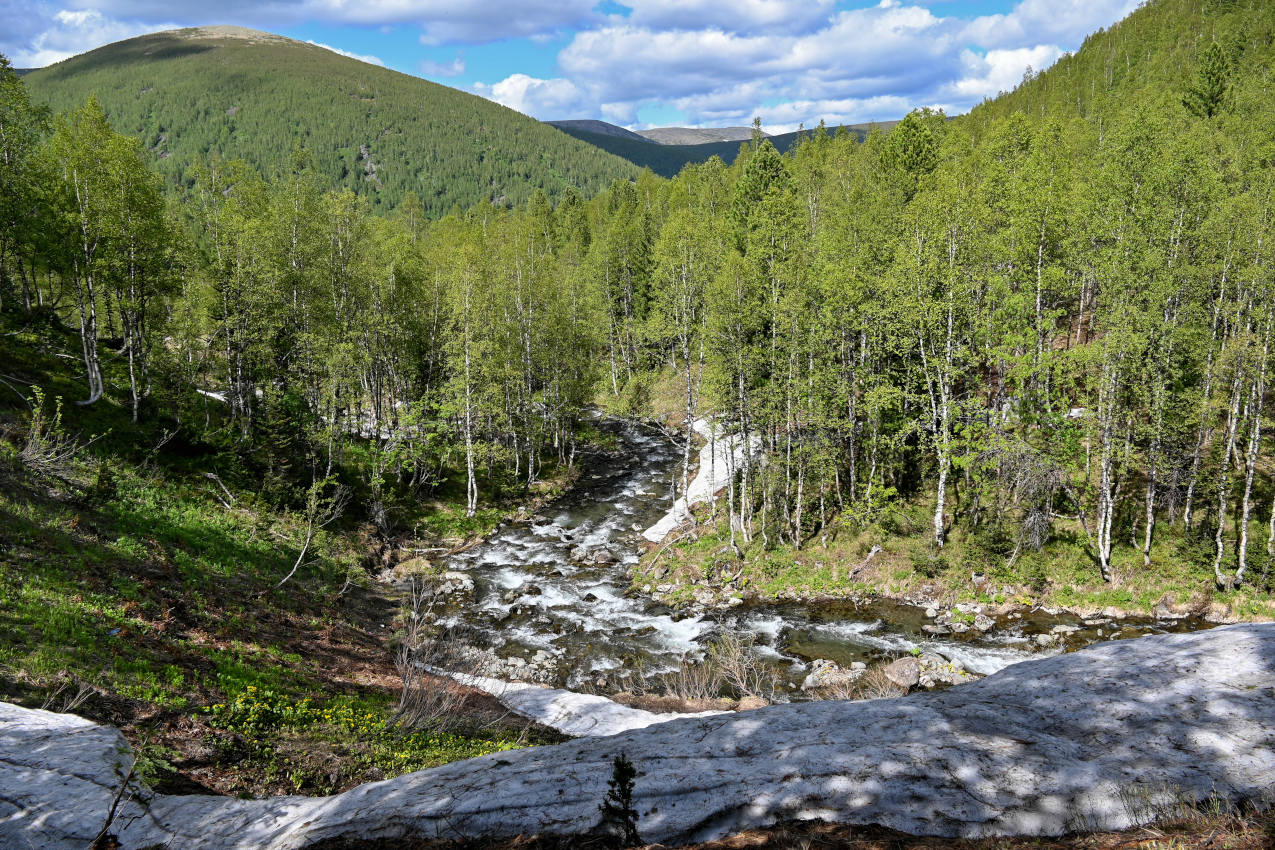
(558, 586)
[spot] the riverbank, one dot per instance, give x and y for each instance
(887, 553)
(891, 564)
(161, 583)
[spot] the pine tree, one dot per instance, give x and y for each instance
(1204, 98)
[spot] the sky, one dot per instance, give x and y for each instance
(637, 63)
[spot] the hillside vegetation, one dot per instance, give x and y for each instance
(238, 94)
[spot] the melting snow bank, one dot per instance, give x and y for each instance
(717, 461)
(580, 715)
(1092, 739)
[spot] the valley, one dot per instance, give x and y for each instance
(383, 467)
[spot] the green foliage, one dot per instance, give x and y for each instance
(262, 715)
(1204, 99)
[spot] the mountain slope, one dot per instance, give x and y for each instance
(599, 127)
(1150, 60)
(235, 93)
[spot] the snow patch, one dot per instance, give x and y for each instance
(717, 461)
(578, 715)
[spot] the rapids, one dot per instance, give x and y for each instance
(542, 593)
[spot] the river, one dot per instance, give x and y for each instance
(541, 597)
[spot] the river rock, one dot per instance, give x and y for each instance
(604, 556)
(983, 623)
(904, 672)
(931, 613)
(1046, 639)
(1095, 737)
(453, 581)
(828, 674)
(937, 670)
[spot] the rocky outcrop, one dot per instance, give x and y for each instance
(1091, 739)
(828, 674)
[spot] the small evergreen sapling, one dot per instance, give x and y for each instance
(619, 818)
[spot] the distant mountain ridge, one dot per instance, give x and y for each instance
(668, 159)
(601, 128)
(697, 135)
(237, 93)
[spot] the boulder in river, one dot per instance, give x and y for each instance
(1096, 737)
(454, 581)
(904, 672)
(828, 674)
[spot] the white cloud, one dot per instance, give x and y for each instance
(1000, 70)
(69, 32)
(725, 64)
(371, 60)
(773, 16)
(454, 68)
(543, 99)
(1047, 21)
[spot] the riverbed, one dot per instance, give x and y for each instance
(552, 601)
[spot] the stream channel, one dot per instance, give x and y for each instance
(541, 597)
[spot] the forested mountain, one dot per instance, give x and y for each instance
(667, 159)
(235, 93)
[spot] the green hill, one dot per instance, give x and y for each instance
(236, 93)
(1150, 61)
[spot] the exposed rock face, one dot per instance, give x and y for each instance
(1039, 748)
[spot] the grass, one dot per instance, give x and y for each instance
(132, 592)
(972, 567)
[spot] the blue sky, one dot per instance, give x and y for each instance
(637, 63)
